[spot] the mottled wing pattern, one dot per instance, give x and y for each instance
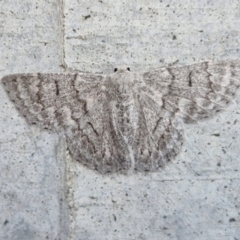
(159, 134)
(98, 143)
(53, 101)
(197, 91)
(124, 120)
(82, 105)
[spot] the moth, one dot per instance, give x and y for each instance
(124, 120)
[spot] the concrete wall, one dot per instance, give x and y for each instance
(44, 194)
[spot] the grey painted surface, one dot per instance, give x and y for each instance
(194, 197)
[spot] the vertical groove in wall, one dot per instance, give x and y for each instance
(63, 190)
(62, 12)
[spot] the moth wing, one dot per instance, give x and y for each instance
(53, 101)
(197, 91)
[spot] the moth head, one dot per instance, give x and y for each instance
(121, 69)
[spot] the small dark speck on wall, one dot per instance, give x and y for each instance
(6, 222)
(86, 17)
(232, 220)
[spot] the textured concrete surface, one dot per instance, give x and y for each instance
(30, 171)
(194, 197)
